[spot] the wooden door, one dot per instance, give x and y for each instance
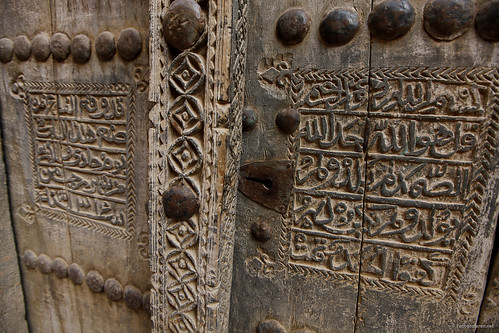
(376, 130)
(74, 123)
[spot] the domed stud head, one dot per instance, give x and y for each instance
(179, 202)
(448, 19)
(391, 19)
(293, 26)
(288, 120)
(270, 326)
(339, 27)
(250, 118)
(487, 21)
(183, 24)
(6, 49)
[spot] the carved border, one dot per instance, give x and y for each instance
(219, 144)
(291, 81)
(26, 87)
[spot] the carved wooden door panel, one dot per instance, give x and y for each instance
(74, 107)
(368, 194)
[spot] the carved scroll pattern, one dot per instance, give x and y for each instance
(81, 141)
(422, 172)
(192, 144)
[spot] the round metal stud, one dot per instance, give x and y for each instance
(270, 326)
(60, 46)
(339, 27)
(179, 202)
(288, 120)
(60, 268)
(146, 303)
(95, 281)
(105, 45)
(487, 20)
(250, 118)
(133, 297)
(113, 289)
(81, 48)
(293, 26)
(44, 264)
(261, 231)
(6, 49)
(40, 47)
(183, 24)
(22, 47)
(129, 43)
(448, 19)
(29, 259)
(76, 274)
(391, 19)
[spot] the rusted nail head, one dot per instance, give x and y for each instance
(261, 231)
(448, 19)
(40, 47)
(250, 118)
(339, 27)
(179, 202)
(391, 19)
(288, 120)
(183, 24)
(293, 26)
(487, 20)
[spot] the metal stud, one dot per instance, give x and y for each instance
(60, 268)
(29, 259)
(95, 281)
(81, 48)
(339, 27)
(133, 297)
(76, 274)
(40, 47)
(22, 47)
(293, 26)
(129, 43)
(60, 46)
(391, 19)
(44, 264)
(113, 289)
(183, 24)
(448, 19)
(179, 202)
(105, 45)
(6, 49)
(288, 120)
(487, 20)
(250, 118)
(261, 231)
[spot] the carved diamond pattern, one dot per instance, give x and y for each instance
(185, 115)
(181, 266)
(182, 323)
(181, 296)
(184, 157)
(187, 73)
(182, 234)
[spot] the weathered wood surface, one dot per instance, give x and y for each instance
(393, 210)
(75, 130)
(489, 311)
(12, 309)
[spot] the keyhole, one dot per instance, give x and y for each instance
(267, 183)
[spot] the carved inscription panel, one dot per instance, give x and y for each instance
(389, 172)
(81, 140)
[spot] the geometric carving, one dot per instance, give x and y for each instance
(185, 157)
(81, 139)
(187, 73)
(186, 115)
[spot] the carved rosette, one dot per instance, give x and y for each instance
(195, 143)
